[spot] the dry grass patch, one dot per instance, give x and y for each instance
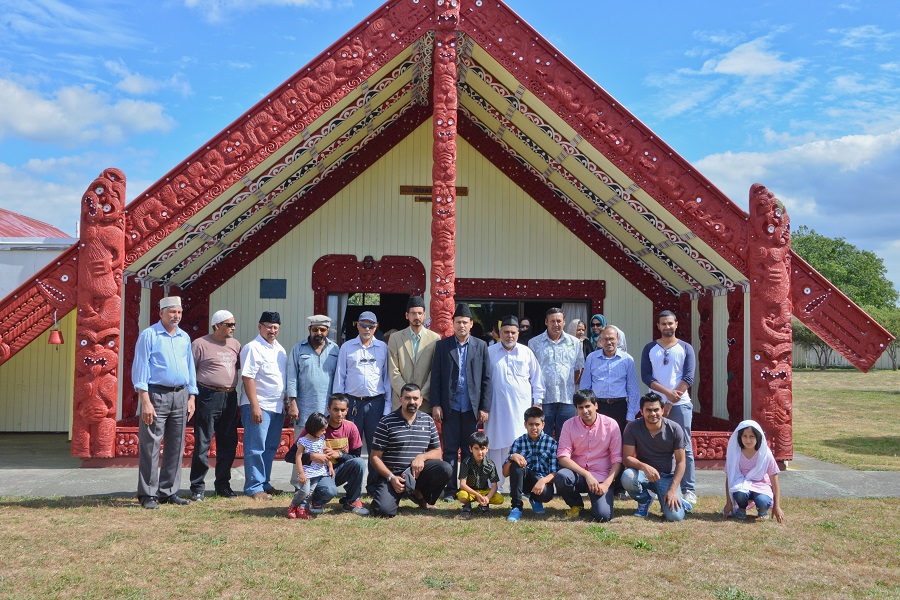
(71, 548)
(846, 417)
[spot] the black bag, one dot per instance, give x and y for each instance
(291, 455)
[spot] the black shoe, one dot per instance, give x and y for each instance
(173, 499)
(149, 503)
(226, 493)
(198, 497)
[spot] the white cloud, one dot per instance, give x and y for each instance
(55, 22)
(865, 36)
(141, 85)
(75, 115)
(218, 10)
(58, 204)
(752, 59)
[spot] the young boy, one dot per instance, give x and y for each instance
(532, 465)
(478, 478)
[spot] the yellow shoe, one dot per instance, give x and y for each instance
(574, 512)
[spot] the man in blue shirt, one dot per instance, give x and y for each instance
(164, 378)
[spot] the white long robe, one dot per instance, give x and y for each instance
(516, 384)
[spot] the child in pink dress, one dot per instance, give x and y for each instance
(751, 474)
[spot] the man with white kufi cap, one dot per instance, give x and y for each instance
(163, 376)
(217, 357)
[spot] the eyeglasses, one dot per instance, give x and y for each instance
(231, 325)
(595, 325)
(364, 326)
(318, 329)
(666, 357)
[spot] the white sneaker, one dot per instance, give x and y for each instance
(690, 497)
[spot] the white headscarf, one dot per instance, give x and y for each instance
(736, 481)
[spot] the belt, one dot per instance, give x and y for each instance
(365, 397)
(217, 389)
(610, 400)
(164, 388)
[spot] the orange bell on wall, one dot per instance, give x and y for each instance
(56, 338)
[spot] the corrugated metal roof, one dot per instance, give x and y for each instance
(14, 225)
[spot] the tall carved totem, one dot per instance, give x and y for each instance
(100, 265)
(771, 307)
(443, 172)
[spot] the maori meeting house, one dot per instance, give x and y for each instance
(441, 148)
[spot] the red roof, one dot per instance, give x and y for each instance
(14, 225)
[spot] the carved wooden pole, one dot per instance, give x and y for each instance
(443, 172)
(735, 359)
(101, 260)
(769, 268)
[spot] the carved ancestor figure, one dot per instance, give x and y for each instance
(769, 267)
(102, 260)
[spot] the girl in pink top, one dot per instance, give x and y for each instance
(751, 474)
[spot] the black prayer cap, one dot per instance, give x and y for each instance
(509, 321)
(462, 310)
(415, 302)
(270, 317)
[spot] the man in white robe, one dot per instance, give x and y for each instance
(517, 384)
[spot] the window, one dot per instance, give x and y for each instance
(273, 288)
(364, 299)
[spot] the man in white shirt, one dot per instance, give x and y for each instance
(516, 384)
(562, 360)
(363, 375)
(263, 370)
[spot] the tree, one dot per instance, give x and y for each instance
(806, 339)
(889, 318)
(858, 273)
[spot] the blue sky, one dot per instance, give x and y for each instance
(801, 96)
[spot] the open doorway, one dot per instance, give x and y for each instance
(389, 308)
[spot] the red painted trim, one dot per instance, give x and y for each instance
(342, 273)
(735, 359)
(705, 354)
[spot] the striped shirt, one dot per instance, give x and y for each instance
(478, 477)
(401, 442)
(539, 455)
(314, 469)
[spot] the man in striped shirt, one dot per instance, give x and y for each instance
(406, 439)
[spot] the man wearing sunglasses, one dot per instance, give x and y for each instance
(667, 368)
(363, 375)
(217, 358)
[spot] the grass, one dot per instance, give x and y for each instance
(847, 417)
(88, 548)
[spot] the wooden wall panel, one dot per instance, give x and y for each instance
(720, 356)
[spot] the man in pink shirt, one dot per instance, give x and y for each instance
(590, 457)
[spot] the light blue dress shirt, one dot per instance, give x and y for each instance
(614, 377)
(161, 358)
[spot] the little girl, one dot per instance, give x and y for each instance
(751, 474)
(312, 474)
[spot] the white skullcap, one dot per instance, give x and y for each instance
(169, 302)
(219, 316)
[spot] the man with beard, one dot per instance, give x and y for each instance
(516, 385)
(562, 361)
(405, 460)
(310, 376)
(217, 358)
(164, 378)
(263, 366)
(411, 352)
(667, 368)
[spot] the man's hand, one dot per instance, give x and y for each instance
(538, 488)
(399, 484)
(256, 414)
(319, 457)
(651, 473)
(482, 417)
(672, 499)
(417, 465)
(667, 409)
(292, 410)
(332, 454)
(148, 413)
(594, 486)
(437, 414)
(192, 405)
(518, 459)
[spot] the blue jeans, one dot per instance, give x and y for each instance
(555, 414)
(637, 484)
(349, 474)
(742, 499)
(684, 416)
(570, 486)
(260, 444)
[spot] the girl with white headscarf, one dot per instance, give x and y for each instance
(751, 474)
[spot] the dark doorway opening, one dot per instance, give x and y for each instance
(389, 308)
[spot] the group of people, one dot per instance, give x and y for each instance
(546, 416)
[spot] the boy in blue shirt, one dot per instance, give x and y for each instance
(531, 465)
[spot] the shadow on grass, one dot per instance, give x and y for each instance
(105, 500)
(881, 446)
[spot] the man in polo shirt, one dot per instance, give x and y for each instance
(411, 352)
(406, 438)
(310, 376)
(263, 366)
(164, 378)
(562, 360)
(217, 358)
(362, 374)
(667, 368)
(654, 451)
(610, 372)
(590, 457)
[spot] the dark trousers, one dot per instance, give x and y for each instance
(430, 484)
(522, 479)
(366, 414)
(457, 427)
(217, 413)
(619, 413)
(570, 486)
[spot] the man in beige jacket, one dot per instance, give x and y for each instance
(411, 352)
